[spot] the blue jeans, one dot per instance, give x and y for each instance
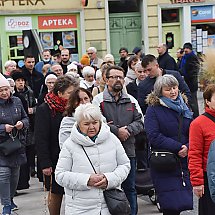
(9, 177)
(129, 187)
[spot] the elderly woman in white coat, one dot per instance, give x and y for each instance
(83, 187)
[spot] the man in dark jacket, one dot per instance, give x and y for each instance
(190, 69)
(28, 95)
(123, 59)
(124, 117)
(165, 61)
(33, 78)
(150, 65)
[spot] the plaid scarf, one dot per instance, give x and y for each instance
(55, 103)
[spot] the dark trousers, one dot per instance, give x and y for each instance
(194, 104)
(129, 187)
(30, 153)
(206, 205)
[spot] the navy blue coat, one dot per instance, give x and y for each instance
(161, 125)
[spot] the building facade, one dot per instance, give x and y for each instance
(65, 23)
(107, 25)
(178, 21)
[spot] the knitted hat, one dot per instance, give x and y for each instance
(3, 81)
(72, 66)
(85, 60)
(18, 75)
(49, 77)
(188, 46)
(136, 50)
(109, 58)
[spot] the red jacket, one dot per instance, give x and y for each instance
(202, 133)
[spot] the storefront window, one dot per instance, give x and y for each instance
(16, 46)
(170, 15)
(124, 6)
(56, 41)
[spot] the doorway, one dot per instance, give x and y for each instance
(125, 31)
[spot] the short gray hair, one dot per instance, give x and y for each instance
(93, 49)
(87, 112)
(164, 81)
(88, 70)
(9, 62)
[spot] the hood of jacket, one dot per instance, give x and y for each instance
(85, 141)
(131, 74)
(154, 100)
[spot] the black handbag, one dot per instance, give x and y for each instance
(11, 145)
(164, 160)
(115, 199)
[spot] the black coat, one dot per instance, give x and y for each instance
(165, 61)
(132, 89)
(35, 80)
(192, 70)
(124, 64)
(46, 130)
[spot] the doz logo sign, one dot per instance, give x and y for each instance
(18, 23)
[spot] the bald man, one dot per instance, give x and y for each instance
(165, 61)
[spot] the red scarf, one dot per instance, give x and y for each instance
(55, 103)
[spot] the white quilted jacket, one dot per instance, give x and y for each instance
(73, 170)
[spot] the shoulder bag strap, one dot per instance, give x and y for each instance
(209, 116)
(89, 159)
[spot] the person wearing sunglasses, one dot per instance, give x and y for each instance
(94, 60)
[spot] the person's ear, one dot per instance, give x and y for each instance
(207, 102)
(59, 93)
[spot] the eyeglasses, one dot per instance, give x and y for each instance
(90, 53)
(116, 77)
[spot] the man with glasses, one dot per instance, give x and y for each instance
(94, 60)
(124, 117)
(150, 65)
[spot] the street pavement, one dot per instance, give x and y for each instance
(32, 201)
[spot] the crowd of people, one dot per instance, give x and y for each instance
(92, 124)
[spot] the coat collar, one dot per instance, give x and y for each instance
(154, 100)
(80, 139)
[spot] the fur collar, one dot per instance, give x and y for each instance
(153, 100)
